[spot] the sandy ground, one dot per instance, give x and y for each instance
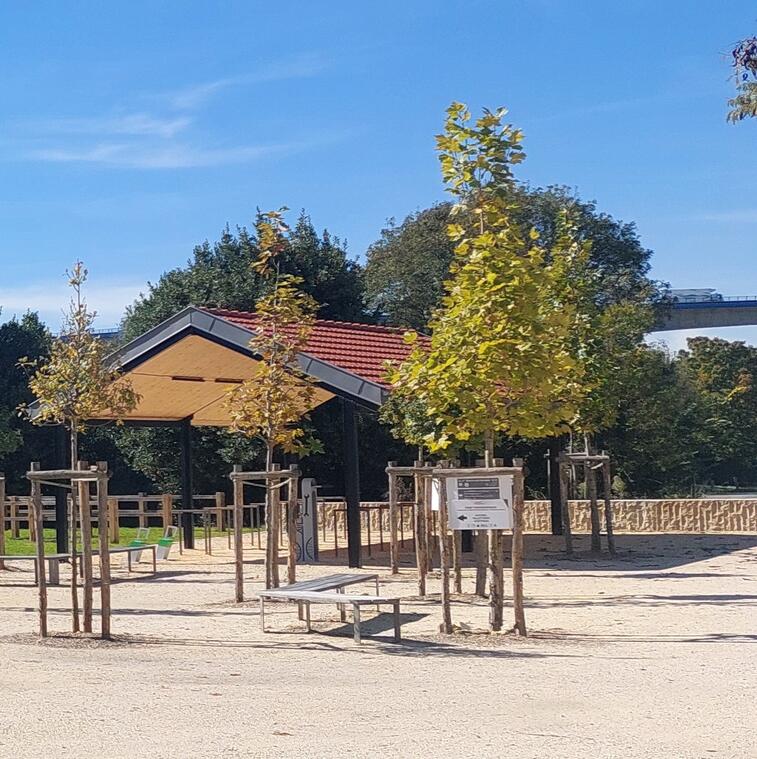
(652, 654)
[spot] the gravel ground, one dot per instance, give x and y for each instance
(651, 654)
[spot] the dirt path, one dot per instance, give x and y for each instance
(650, 655)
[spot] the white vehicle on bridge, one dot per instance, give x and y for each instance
(701, 295)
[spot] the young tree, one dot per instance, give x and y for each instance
(271, 405)
(744, 105)
(71, 386)
(499, 359)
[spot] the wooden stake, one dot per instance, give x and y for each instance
(607, 487)
(481, 548)
(427, 491)
(446, 626)
(36, 504)
(113, 525)
(293, 513)
(591, 493)
(565, 507)
(220, 510)
(517, 554)
(421, 535)
(85, 522)
(103, 531)
(457, 552)
(15, 526)
(2, 519)
(393, 506)
(166, 504)
(238, 545)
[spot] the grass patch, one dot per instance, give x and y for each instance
(23, 546)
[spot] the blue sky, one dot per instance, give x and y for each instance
(131, 131)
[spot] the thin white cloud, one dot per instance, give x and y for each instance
(131, 124)
(50, 299)
(170, 156)
(735, 216)
(301, 67)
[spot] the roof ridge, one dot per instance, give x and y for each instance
(380, 328)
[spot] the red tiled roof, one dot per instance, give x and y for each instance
(359, 348)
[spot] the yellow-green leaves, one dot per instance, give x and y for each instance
(500, 357)
(271, 404)
(75, 384)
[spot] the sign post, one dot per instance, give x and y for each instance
(480, 502)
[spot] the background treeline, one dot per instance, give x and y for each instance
(683, 422)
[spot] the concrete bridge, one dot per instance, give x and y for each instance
(711, 311)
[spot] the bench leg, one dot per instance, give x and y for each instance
(262, 613)
(356, 622)
(378, 593)
(128, 561)
(342, 610)
(307, 616)
(397, 636)
(154, 561)
(54, 571)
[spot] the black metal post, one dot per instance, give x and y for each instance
(553, 452)
(61, 495)
(187, 522)
(351, 481)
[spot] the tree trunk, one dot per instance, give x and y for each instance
(238, 545)
(36, 493)
(103, 534)
(481, 538)
(591, 494)
(85, 522)
(607, 487)
(565, 508)
(446, 626)
(517, 555)
(272, 524)
(496, 580)
(73, 513)
(293, 509)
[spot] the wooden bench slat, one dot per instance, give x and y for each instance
(330, 598)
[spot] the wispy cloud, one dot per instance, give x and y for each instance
(131, 124)
(159, 137)
(734, 216)
(171, 156)
(301, 67)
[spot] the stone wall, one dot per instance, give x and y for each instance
(675, 515)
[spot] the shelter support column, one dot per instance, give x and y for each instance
(351, 481)
(185, 445)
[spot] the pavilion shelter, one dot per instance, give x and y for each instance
(184, 367)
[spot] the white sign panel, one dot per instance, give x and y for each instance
(307, 525)
(479, 502)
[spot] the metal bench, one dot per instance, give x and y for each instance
(53, 564)
(318, 591)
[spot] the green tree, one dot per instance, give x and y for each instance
(406, 267)
(218, 275)
(499, 359)
(71, 386)
(724, 374)
(270, 406)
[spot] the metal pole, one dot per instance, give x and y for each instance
(185, 443)
(351, 481)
